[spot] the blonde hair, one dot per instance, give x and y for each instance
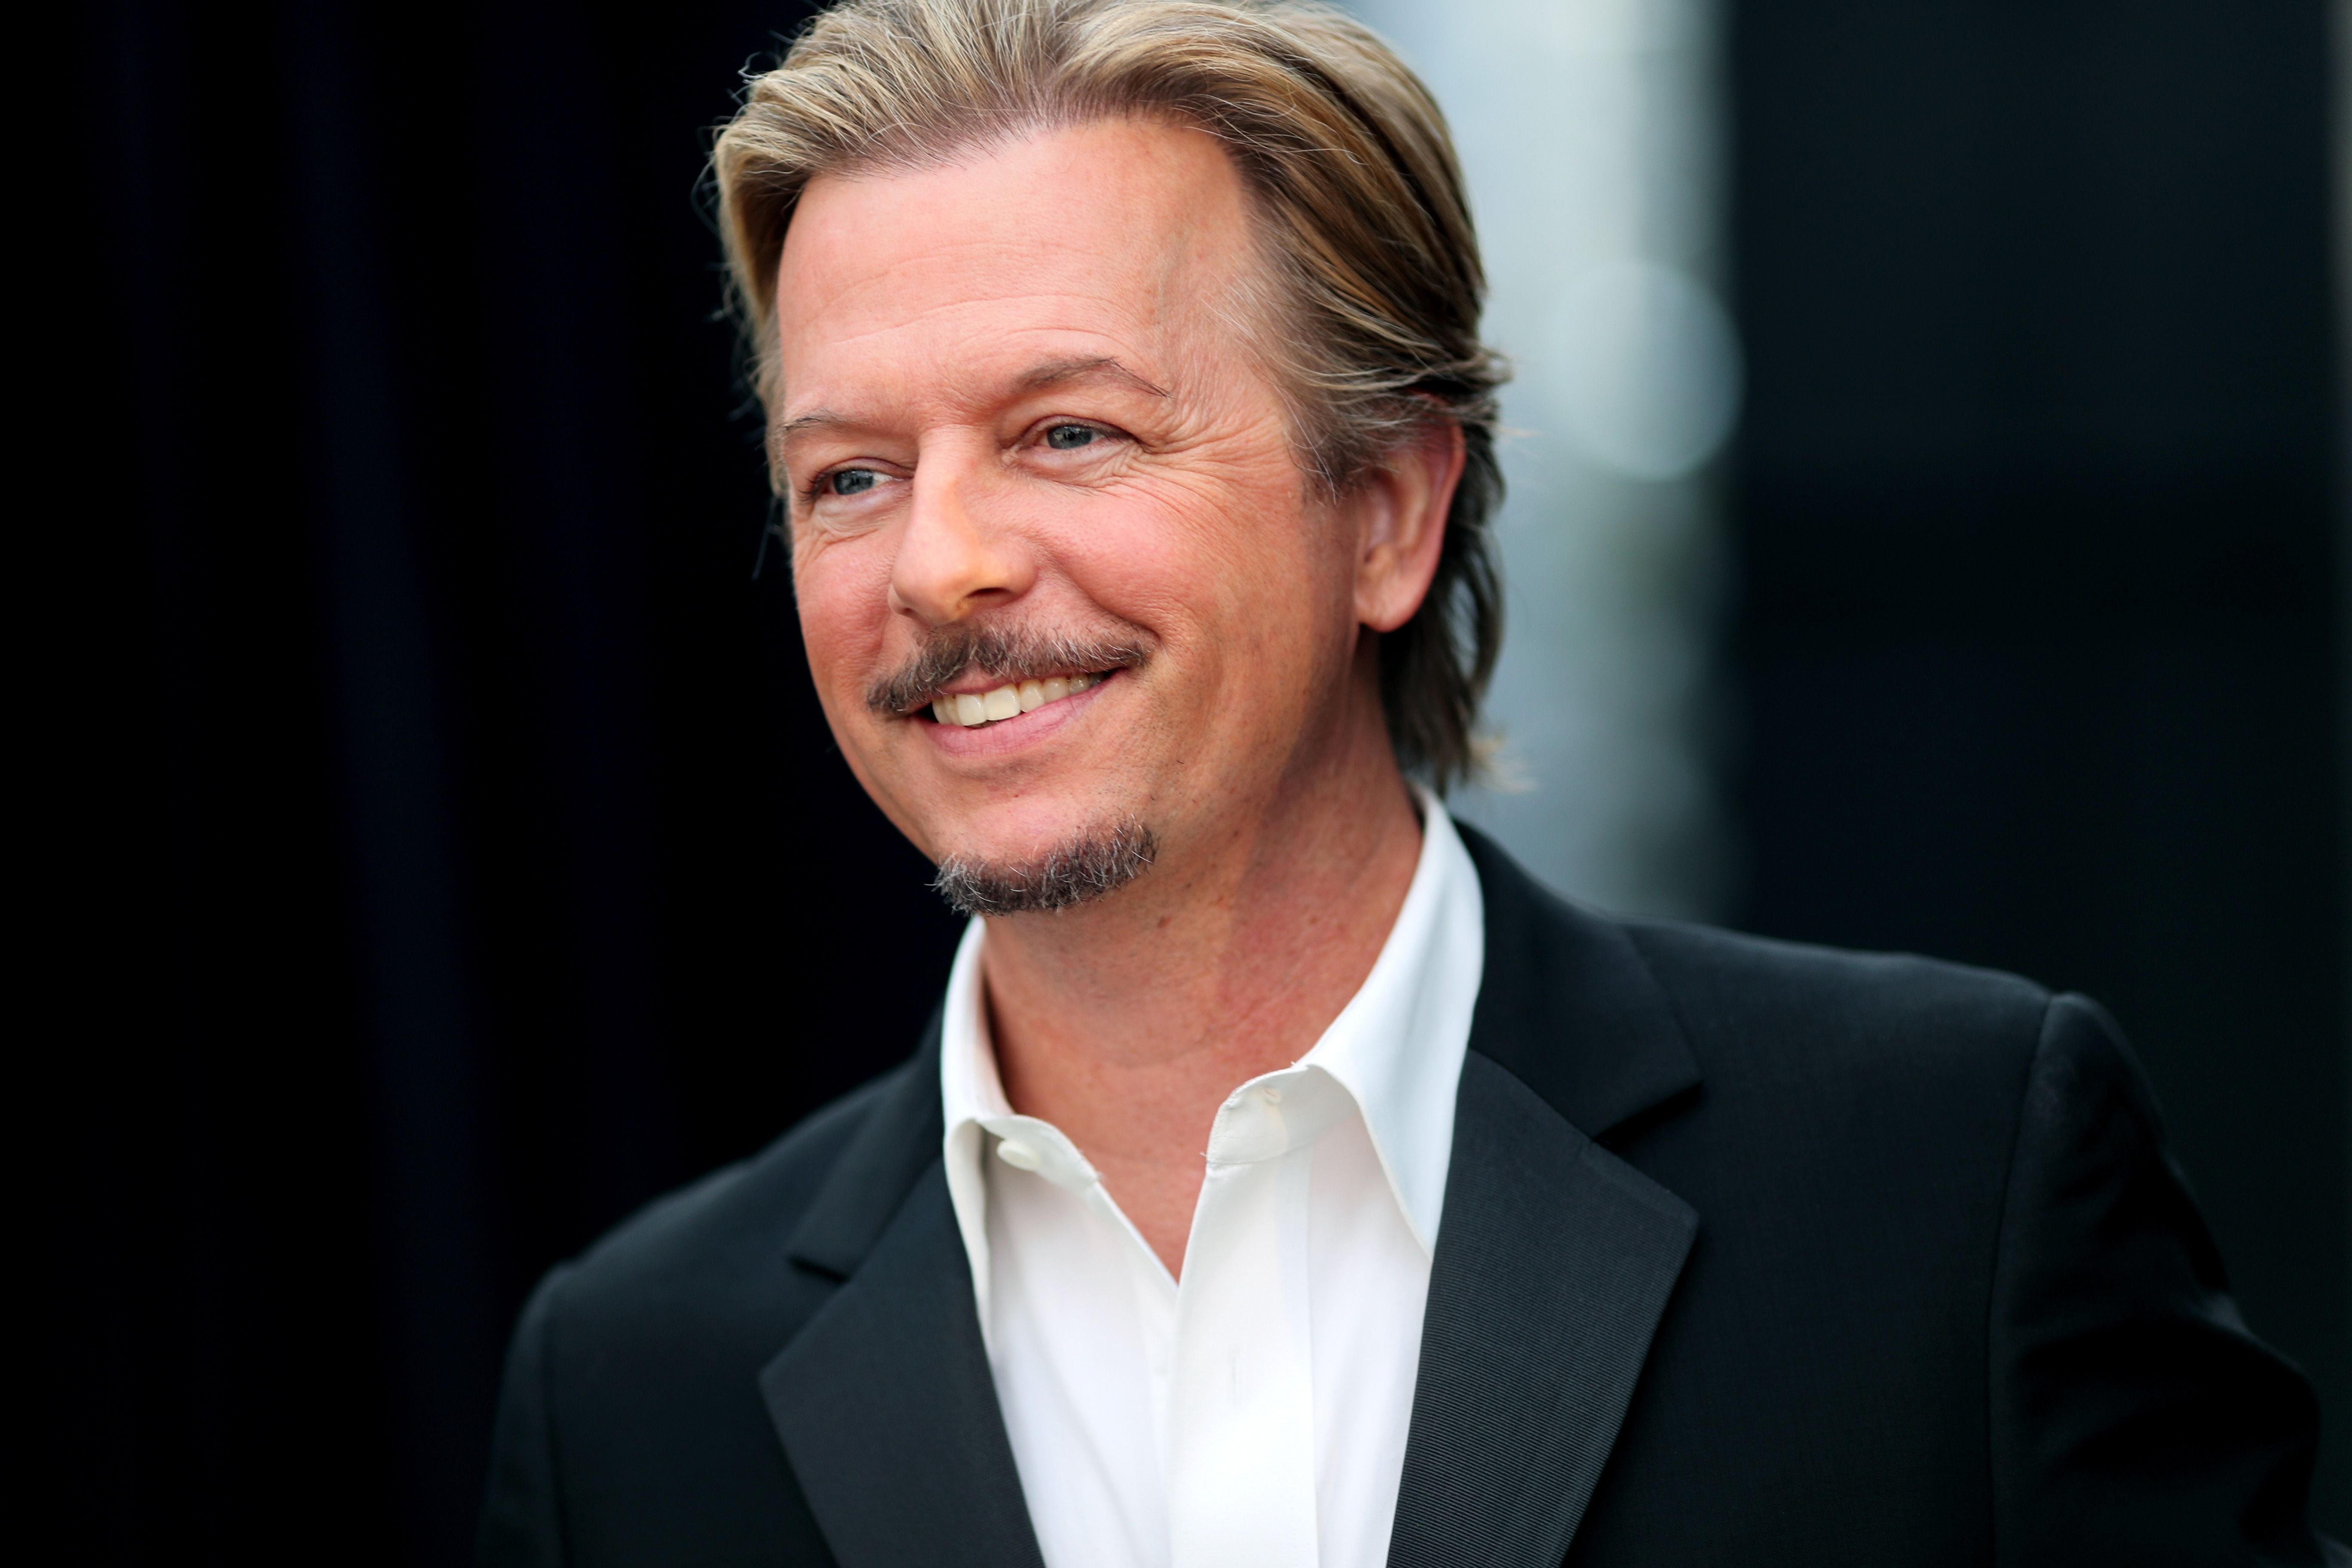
(1355, 192)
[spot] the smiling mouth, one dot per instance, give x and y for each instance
(973, 709)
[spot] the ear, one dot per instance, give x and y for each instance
(1399, 509)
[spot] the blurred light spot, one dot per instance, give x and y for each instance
(1650, 366)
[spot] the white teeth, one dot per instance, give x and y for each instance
(971, 709)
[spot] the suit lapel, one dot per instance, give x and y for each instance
(1556, 1259)
(1570, 1007)
(1553, 1266)
(884, 1400)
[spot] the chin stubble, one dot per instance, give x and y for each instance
(1074, 872)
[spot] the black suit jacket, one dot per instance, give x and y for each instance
(1752, 1254)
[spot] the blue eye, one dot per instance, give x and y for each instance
(1069, 437)
(852, 481)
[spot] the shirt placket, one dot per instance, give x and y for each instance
(1240, 1406)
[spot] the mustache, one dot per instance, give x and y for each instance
(1003, 654)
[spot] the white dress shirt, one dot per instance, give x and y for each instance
(1254, 1414)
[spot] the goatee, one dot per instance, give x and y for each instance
(1084, 868)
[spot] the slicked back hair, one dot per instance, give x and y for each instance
(1355, 193)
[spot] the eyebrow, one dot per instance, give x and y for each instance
(1051, 373)
(823, 419)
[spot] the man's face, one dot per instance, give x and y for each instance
(1027, 438)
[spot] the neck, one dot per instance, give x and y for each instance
(1126, 1023)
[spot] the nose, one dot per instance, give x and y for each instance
(956, 556)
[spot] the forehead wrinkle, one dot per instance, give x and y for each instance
(989, 337)
(1064, 304)
(975, 388)
(1176, 277)
(971, 269)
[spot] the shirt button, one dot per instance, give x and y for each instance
(1017, 1154)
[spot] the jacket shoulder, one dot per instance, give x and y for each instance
(631, 1422)
(1864, 1061)
(1791, 1008)
(704, 1244)
(1616, 1018)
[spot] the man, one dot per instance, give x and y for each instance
(1288, 1180)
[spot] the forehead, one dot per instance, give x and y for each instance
(1118, 238)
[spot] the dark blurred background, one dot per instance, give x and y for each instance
(454, 856)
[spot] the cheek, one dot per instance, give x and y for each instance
(1213, 569)
(1136, 563)
(843, 594)
(1276, 587)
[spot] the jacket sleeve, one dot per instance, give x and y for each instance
(522, 1524)
(2133, 1417)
